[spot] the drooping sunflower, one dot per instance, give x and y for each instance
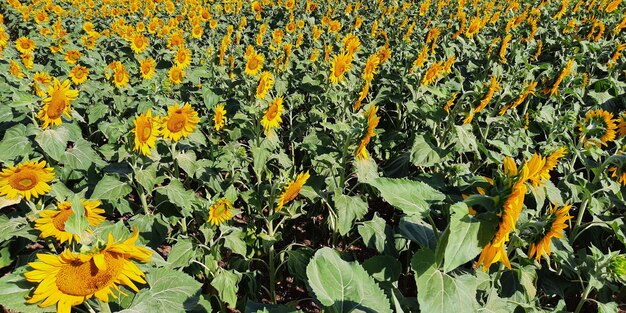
(179, 123)
(27, 179)
(292, 189)
(556, 223)
(341, 64)
(254, 63)
(619, 174)
(219, 117)
(176, 75)
(25, 45)
(220, 212)
(79, 74)
(51, 223)
(147, 129)
(266, 82)
(621, 127)
(598, 128)
(272, 117)
(16, 70)
(72, 278)
(57, 103)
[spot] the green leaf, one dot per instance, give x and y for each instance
(147, 177)
(467, 237)
(610, 307)
(178, 195)
(227, 283)
(181, 254)
(383, 268)
(110, 188)
(438, 292)
(235, 241)
(170, 291)
(53, 141)
(187, 161)
(15, 143)
(343, 287)
(423, 153)
(349, 209)
(415, 229)
(77, 223)
(13, 291)
(81, 156)
(15, 227)
(297, 262)
(4, 202)
(375, 232)
(412, 197)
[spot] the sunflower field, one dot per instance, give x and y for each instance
(312, 156)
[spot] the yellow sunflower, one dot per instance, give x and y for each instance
(58, 103)
(341, 64)
(72, 278)
(25, 45)
(370, 67)
(146, 132)
(27, 179)
(556, 223)
(621, 127)
(220, 212)
(51, 223)
(179, 123)
(79, 74)
(16, 70)
(619, 174)
(176, 75)
(598, 128)
(41, 80)
(266, 82)
(182, 58)
(292, 189)
(139, 43)
(220, 117)
(147, 68)
(272, 117)
(72, 56)
(254, 63)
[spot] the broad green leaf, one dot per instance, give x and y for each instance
(53, 141)
(227, 283)
(423, 153)
(298, 261)
(344, 287)
(178, 195)
(415, 229)
(169, 291)
(110, 188)
(14, 143)
(467, 237)
(14, 289)
(181, 254)
(15, 227)
(374, 233)
(383, 268)
(412, 197)
(235, 241)
(253, 307)
(349, 209)
(81, 156)
(147, 177)
(438, 292)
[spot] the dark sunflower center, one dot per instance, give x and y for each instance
(24, 180)
(272, 111)
(82, 279)
(177, 121)
(59, 220)
(56, 106)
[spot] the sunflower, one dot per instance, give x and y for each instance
(146, 132)
(556, 223)
(139, 43)
(370, 67)
(182, 57)
(265, 84)
(598, 128)
(220, 212)
(621, 127)
(272, 117)
(341, 64)
(79, 74)
(254, 63)
(619, 174)
(51, 223)
(180, 122)
(72, 278)
(292, 189)
(147, 68)
(16, 70)
(384, 54)
(27, 179)
(72, 56)
(220, 117)
(176, 75)
(41, 80)
(58, 103)
(25, 45)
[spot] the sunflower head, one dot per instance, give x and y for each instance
(266, 82)
(272, 117)
(79, 74)
(341, 64)
(25, 45)
(72, 278)
(554, 226)
(220, 212)
(27, 179)
(182, 57)
(57, 103)
(176, 75)
(179, 123)
(147, 67)
(51, 223)
(597, 128)
(292, 189)
(219, 117)
(254, 63)
(147, 129)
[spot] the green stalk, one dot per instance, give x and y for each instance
(583, 299)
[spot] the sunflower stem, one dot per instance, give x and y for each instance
(272, 266)
(579, 219)
(144, 201)
(176, 170)
(583, 299)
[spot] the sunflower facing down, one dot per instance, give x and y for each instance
(72, 278)
(220, 212)
(220, 117)
(292, 189)
(180, 122)
(556, 223)
(272, 117)
(27, 179)
(51, 223)
(58, 103)
(146, 132)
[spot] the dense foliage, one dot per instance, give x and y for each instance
(285, 155)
